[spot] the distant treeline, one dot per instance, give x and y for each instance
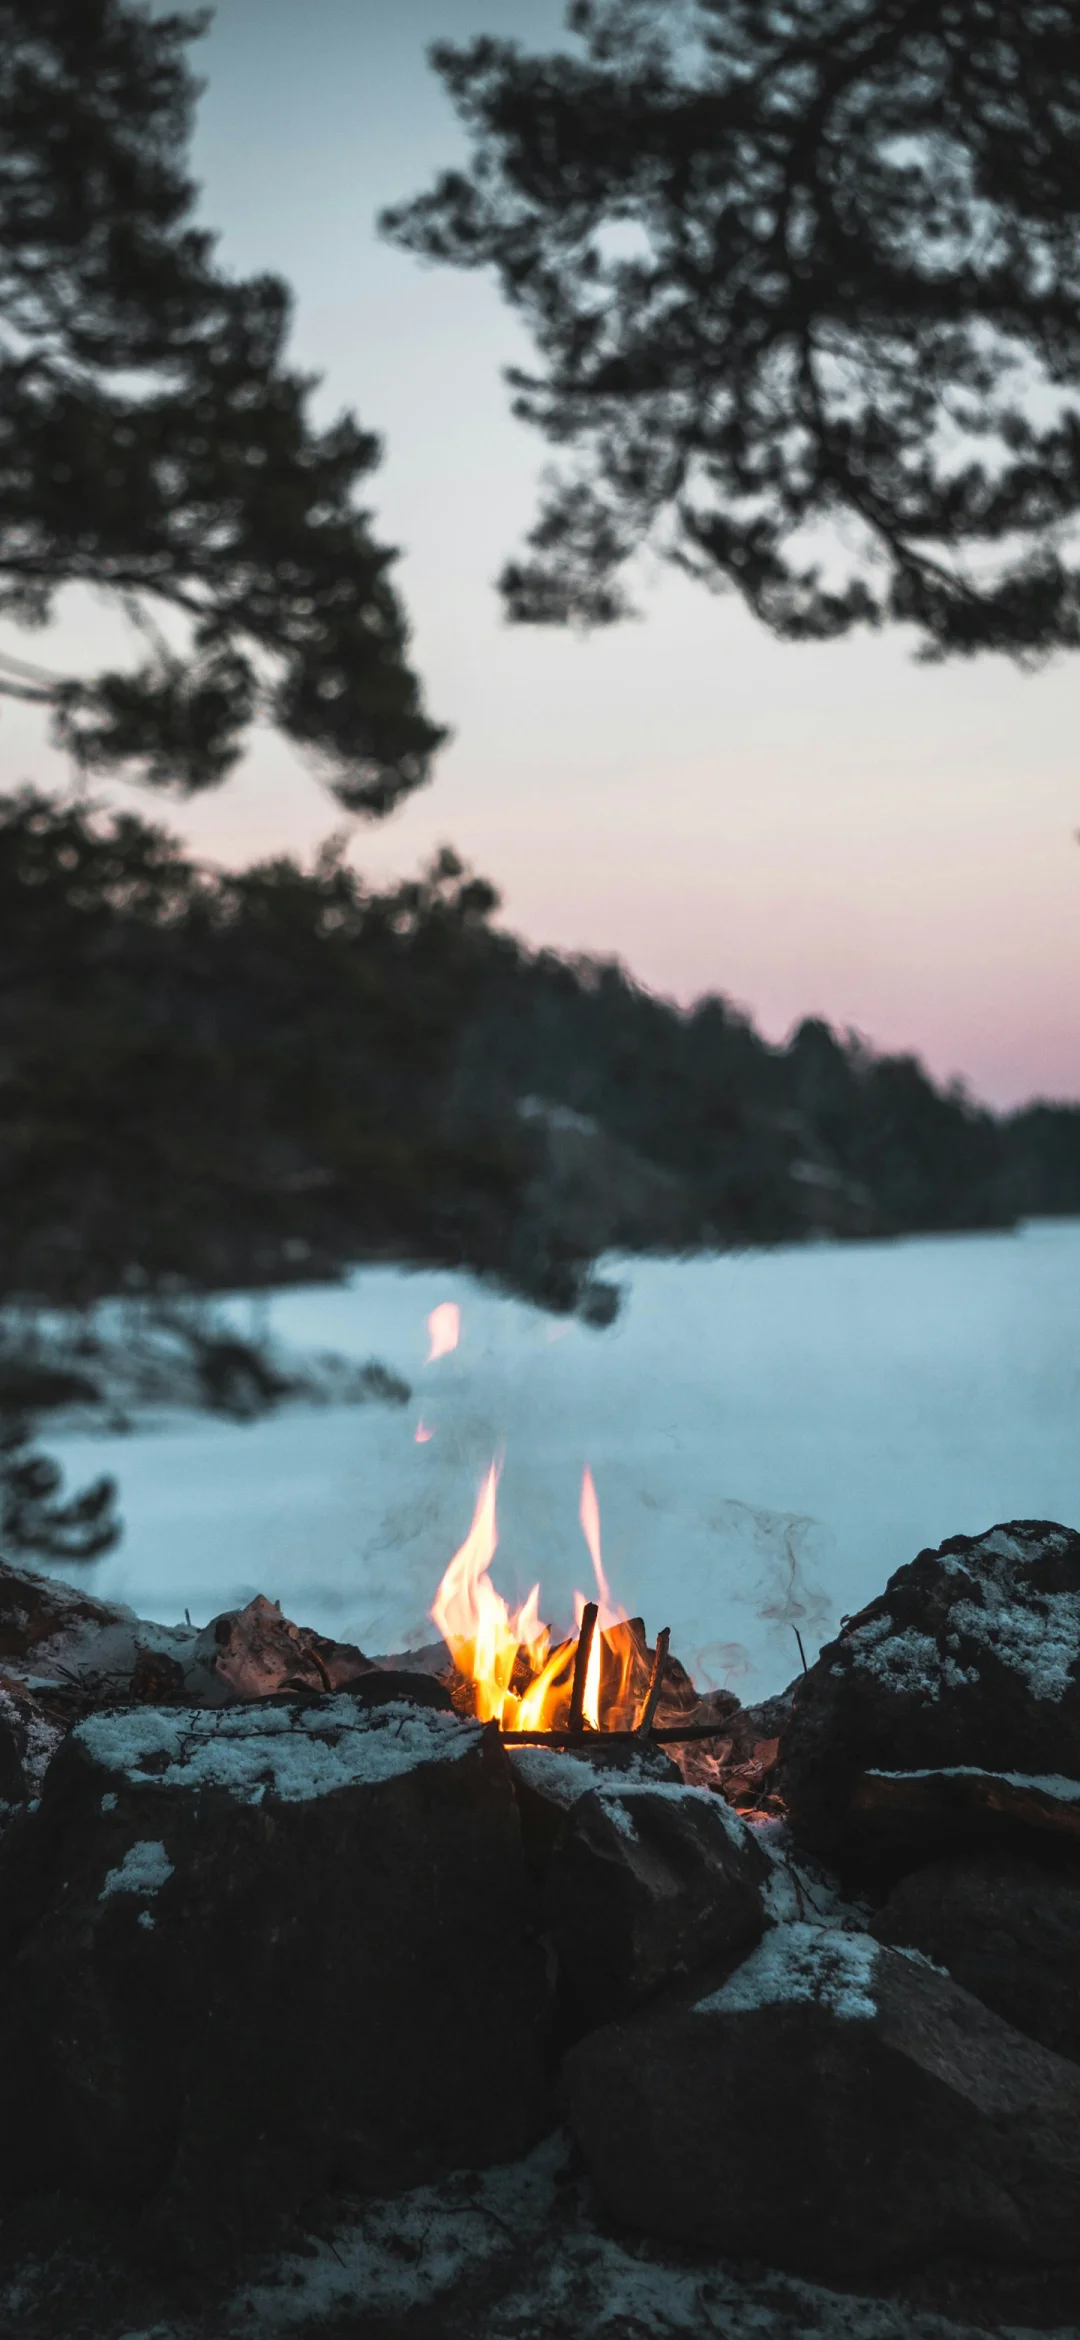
(216, 1079)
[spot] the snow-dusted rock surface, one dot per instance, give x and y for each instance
(250, 1953)
(831, 2106)
(1006, 1927)
(648, 1881)
(970, 1659)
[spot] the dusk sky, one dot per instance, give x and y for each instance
(832, 830)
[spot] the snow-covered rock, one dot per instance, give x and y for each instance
(248, 1954)
(831, 2106)
(969, 1659)
(648, 1881)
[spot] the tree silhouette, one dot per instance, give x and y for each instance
(155, 443)
(804, 282)
(35, 1514)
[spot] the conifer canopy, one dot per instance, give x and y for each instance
(803, 278)
(155, 443)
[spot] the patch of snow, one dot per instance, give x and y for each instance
(901, 1661)
(1035, 1633)
(145, 1868)
(1047, 1783)
(797, 1890)
(1038, 1638)
(108, 1803)
(815, 1964)
(566, 1778)
(676, 1791)
(621, 1820)
(146, 1920)
(40, 1737)
(781, 1899)
(535, 2263)
(293, 1753)
(412, 2249)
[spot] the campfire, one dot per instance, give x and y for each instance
(603, 1678)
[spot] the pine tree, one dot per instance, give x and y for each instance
(155, 442)
(803, 278)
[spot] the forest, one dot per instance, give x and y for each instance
(214, 1079)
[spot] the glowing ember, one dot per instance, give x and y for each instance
(421, 1434)
(518, 1680)
(444, 1329)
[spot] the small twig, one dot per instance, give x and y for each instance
(802, 1652)
(587, 1628)
(327, 1684)
(672, 1735)
(656, 1681)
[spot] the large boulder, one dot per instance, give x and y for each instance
(970, 1657)
(831, 2107)
(251, 1953)
(647, 1882)
(1007, 1928)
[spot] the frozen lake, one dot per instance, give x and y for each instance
(770, 1435)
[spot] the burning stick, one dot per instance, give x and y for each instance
(656, 1681)
(586, 1630)
(672, 1735)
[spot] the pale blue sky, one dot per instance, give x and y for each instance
(822, 830)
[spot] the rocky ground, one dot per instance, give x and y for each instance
(323, 2011)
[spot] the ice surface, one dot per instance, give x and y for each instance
(770, 1434)
(288, 1752)
(802, 1962)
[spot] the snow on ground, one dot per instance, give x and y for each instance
(770, 1434)
(510, 2254)
(548, 2270)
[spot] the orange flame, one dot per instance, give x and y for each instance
(421, 1434)
(607, 1614)
(482, 1636)
(444, 1329)
(518, 1680)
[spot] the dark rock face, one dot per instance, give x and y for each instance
(1008, 1929)
(645, 1884)
(971, 1656)
(31, 1730)
(382, 1687)
(897, 1817)
(832, 2107)
(252, 1953)
(549, 1782)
